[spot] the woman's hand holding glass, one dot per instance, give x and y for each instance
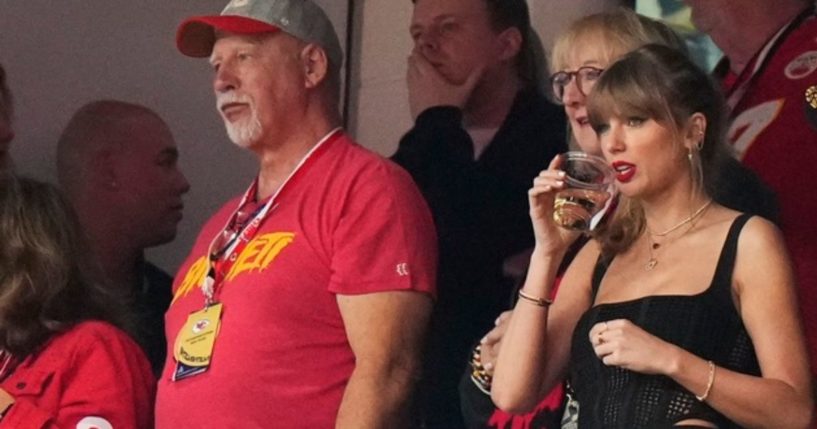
(549, 237)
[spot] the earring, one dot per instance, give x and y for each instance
(689, 156)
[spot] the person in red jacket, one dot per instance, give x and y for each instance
(64, 362)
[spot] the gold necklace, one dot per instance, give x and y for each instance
(653, 245)
(683, 222)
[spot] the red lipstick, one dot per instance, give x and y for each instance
(624, 171)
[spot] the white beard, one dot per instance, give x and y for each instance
(243, 132)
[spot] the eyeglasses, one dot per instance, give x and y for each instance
(585, 76)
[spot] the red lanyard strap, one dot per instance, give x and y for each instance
(223, 251)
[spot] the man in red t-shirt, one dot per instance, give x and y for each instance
(304, 302)
(768, 72)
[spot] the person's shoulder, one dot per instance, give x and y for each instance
(95, 331)
(89, 337)
(756, 238)
(808, 26)
(360, 160)
(759, 232)
(797, 54)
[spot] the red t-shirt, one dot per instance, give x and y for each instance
(348, 223)
(91, 376)
(772, 134)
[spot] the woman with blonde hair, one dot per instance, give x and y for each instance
(578, 58)
(666, 319)
(63, 360)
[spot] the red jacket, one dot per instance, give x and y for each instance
(92, 376)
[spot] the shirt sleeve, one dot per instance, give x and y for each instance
(385, 238)
(106, 383)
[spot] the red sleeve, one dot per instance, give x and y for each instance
(105, 382)
(385, 239)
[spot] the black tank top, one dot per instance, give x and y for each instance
(706, 324)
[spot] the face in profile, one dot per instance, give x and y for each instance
(151, 183)
(455, 36)
(582, 68)
(257, 81)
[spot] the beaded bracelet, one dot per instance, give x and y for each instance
(709, 382)
(481, 378)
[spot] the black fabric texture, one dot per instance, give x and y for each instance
(706, 324)
(150, 302)
(480, 209)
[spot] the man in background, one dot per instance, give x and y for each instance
(769, 76)
(482, 131)
(117, 164)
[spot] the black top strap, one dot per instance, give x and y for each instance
(723, 271)
(726, 263)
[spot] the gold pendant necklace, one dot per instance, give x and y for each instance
(683, 222)
(652, 262)
(653, 245)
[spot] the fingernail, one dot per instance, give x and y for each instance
(483, 340)
(560, 182)
(488, 366)
(562, 174)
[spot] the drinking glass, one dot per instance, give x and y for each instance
(588, 192)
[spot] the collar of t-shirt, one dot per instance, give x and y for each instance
(481, 138)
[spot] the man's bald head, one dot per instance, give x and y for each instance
(104, 126)
(117, 163)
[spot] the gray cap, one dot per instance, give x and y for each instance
(302, 19)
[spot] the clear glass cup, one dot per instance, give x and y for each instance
(588, 192)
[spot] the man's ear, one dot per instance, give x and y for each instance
(510, 40)
(316, 64)
(103, 173)
(695, 131)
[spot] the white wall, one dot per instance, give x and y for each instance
(379, 113)
(60, 54)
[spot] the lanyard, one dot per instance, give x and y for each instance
(761, 59)
(7, 364)
(236, 234)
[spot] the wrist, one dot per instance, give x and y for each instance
(547, 254)
(672, 367)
